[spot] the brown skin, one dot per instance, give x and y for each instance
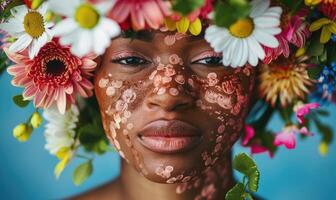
(212, 98)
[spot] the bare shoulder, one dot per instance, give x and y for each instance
(110, 190)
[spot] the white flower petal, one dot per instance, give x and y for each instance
(100, 41)
(64, 7)
(65, 27)
(105, 6)
(20, 44)
(237, 53)
(259, 7)
(12, 27)
(84, 43)
(274, 11)
(245, 51)
(265, 39)
(272, 31)
(59, 131)
(265, 22)
(69, 38)
(110, 26)
(256, 51)
(43, 8)
(19, 12)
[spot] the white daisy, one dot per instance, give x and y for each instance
(242, 42)
(60, 129)
(29, 27)
(85, 28)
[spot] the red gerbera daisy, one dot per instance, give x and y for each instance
(53, 76)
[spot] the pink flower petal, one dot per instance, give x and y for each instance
(304, 109)
(285, 138)
(249, 133)
(61, 101)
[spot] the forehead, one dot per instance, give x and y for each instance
(158, 40)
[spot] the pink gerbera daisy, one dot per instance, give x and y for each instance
(140, 13)
(53, 76)
(294, 31)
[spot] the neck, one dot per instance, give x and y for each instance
(212, 184)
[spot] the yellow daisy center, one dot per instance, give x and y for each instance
(34, 24)
(242, 28)
(87, 16)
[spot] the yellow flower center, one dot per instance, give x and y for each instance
(34, 24)
(242, 28)
(87, 16)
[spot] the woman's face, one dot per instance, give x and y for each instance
(169, 106)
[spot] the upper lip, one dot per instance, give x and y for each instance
(169, 128)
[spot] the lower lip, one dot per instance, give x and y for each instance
(169, 144)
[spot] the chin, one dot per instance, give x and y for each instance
(169, 168)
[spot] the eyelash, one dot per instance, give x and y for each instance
(120, 59)
(141, 61)
(218, 61)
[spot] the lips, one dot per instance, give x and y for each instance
(169, 136)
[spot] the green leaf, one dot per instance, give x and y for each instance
(236, 193)
(323, 112)
(82, 172)
(253, 182)
(237, 9)
(314, 72)
(315, 48)
(331, 52)
(18, 100)
(185, 7)
(246, 165)
(325, 130)
(248, 196)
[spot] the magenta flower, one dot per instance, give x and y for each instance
(287, 136)
(304, 109)
(249, 133)
(295, 31)
(255, 147)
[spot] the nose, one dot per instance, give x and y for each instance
(168, 102)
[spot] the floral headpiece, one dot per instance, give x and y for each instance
(53, 44)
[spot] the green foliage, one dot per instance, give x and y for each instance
(185, 7)
(237, 9)
(3, 62)
(18, 100)
(315, 48)
(91, 133)
(325, 130)
(236, 193)
(314, 72)
(92, 140)
(6, 12)
(331, 53)
(293, 5)
(245, 165)
(82, 172)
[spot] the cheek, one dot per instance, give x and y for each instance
(118, 100)
(226, 100)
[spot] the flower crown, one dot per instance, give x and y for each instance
(53, 43)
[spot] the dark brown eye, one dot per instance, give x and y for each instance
(210, 61)
(131, 61)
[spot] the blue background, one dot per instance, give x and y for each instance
(26, 169)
